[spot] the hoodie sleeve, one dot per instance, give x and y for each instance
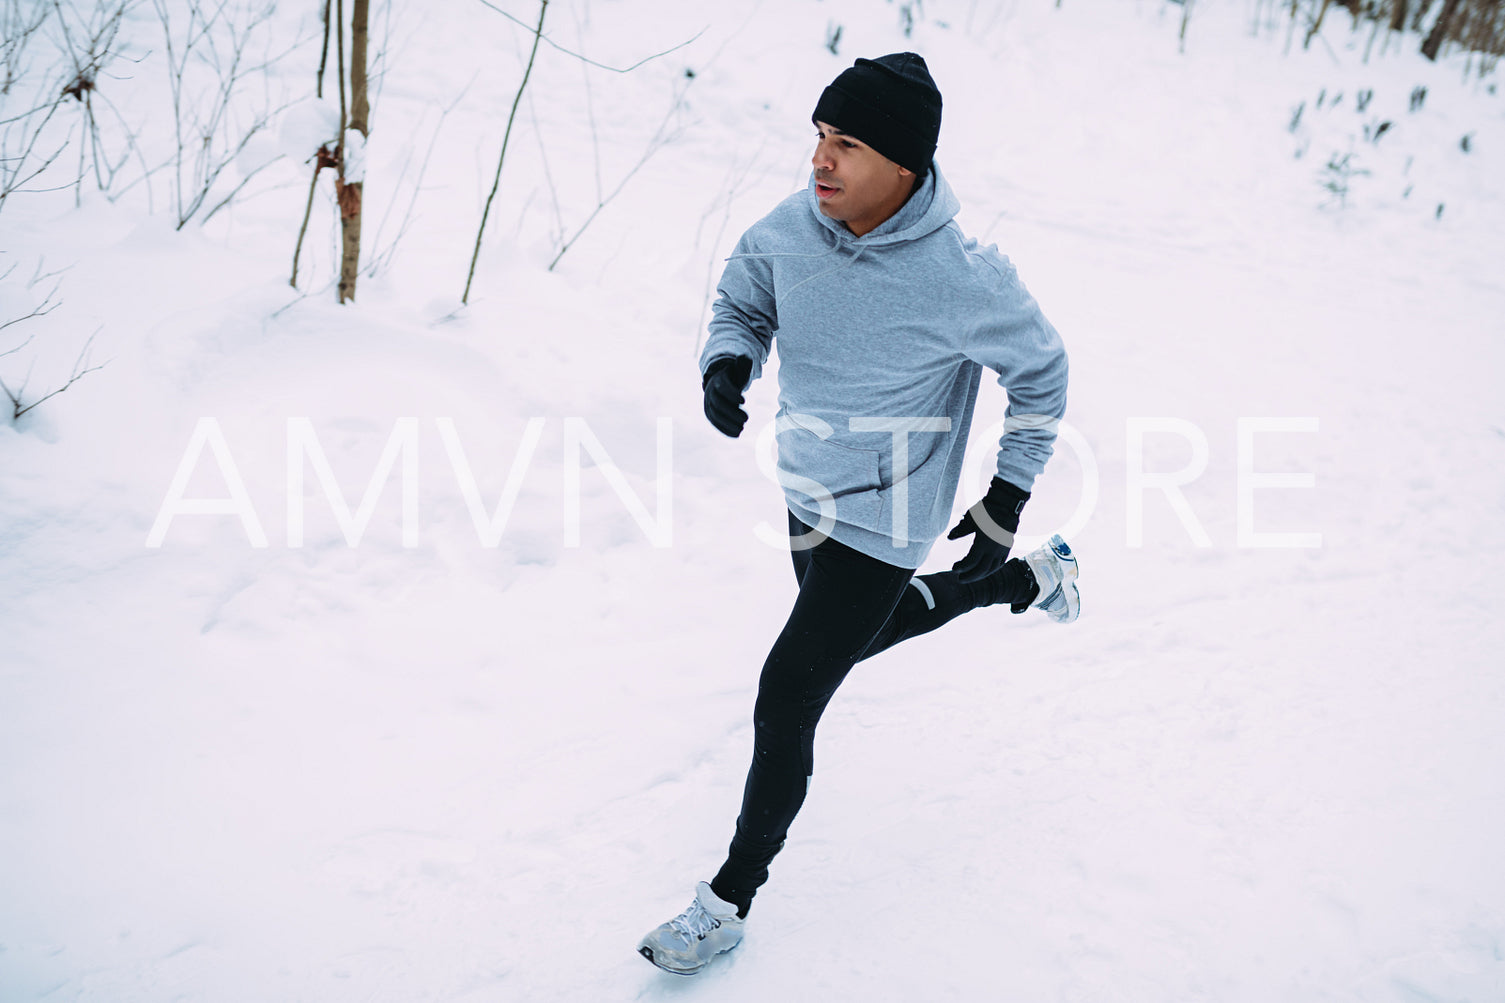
(744, 316)
(1016, 341)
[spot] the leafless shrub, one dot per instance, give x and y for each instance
(55, 93)
(31, 94)
(18, 400)
(1337, 177)
(89, 36)
(663, 135)
(543, 10)
(669, 129)
(214, 51)
(383, 253)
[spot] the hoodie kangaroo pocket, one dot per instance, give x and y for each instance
(819, 472)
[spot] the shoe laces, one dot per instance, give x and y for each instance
(695, 922)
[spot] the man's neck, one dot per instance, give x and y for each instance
(914, 186)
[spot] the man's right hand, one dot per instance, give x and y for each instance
(723, 383)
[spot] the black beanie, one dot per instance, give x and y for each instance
(891, 104)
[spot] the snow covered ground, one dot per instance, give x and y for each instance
(454, 771)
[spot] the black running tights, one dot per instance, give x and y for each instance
(850, 607)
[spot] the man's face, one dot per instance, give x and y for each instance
(856, 184)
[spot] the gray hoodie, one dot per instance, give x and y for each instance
(882, 341)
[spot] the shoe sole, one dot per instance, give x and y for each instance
(1072, 597)
(1065, 558)
(647, 952)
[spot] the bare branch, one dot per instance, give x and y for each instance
(133, 145)
(41, 311)
(15, 400)
(548, 172)
(47, 305)
(382, 257)
(592, 62)
(543, 8)
(737, 176)
(661, 138)
(15, 171)
(13, 351)
(590, 113)
(80, 370)
(236, 190)
(209, 58)
(323, 54)
(324, 158)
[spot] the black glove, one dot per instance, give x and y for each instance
(1001, 505)
(723, 382)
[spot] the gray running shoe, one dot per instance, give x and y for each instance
(688, 942)
(1055, 570)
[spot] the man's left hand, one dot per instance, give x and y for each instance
(998, 515)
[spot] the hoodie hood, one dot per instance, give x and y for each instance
(931, 207)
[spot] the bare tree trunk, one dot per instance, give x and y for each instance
(324, 52)
(1439, 32)
(360, 107)
(352, 177)
(1397, 15)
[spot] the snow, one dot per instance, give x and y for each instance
(355, 157)
(461, 768)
